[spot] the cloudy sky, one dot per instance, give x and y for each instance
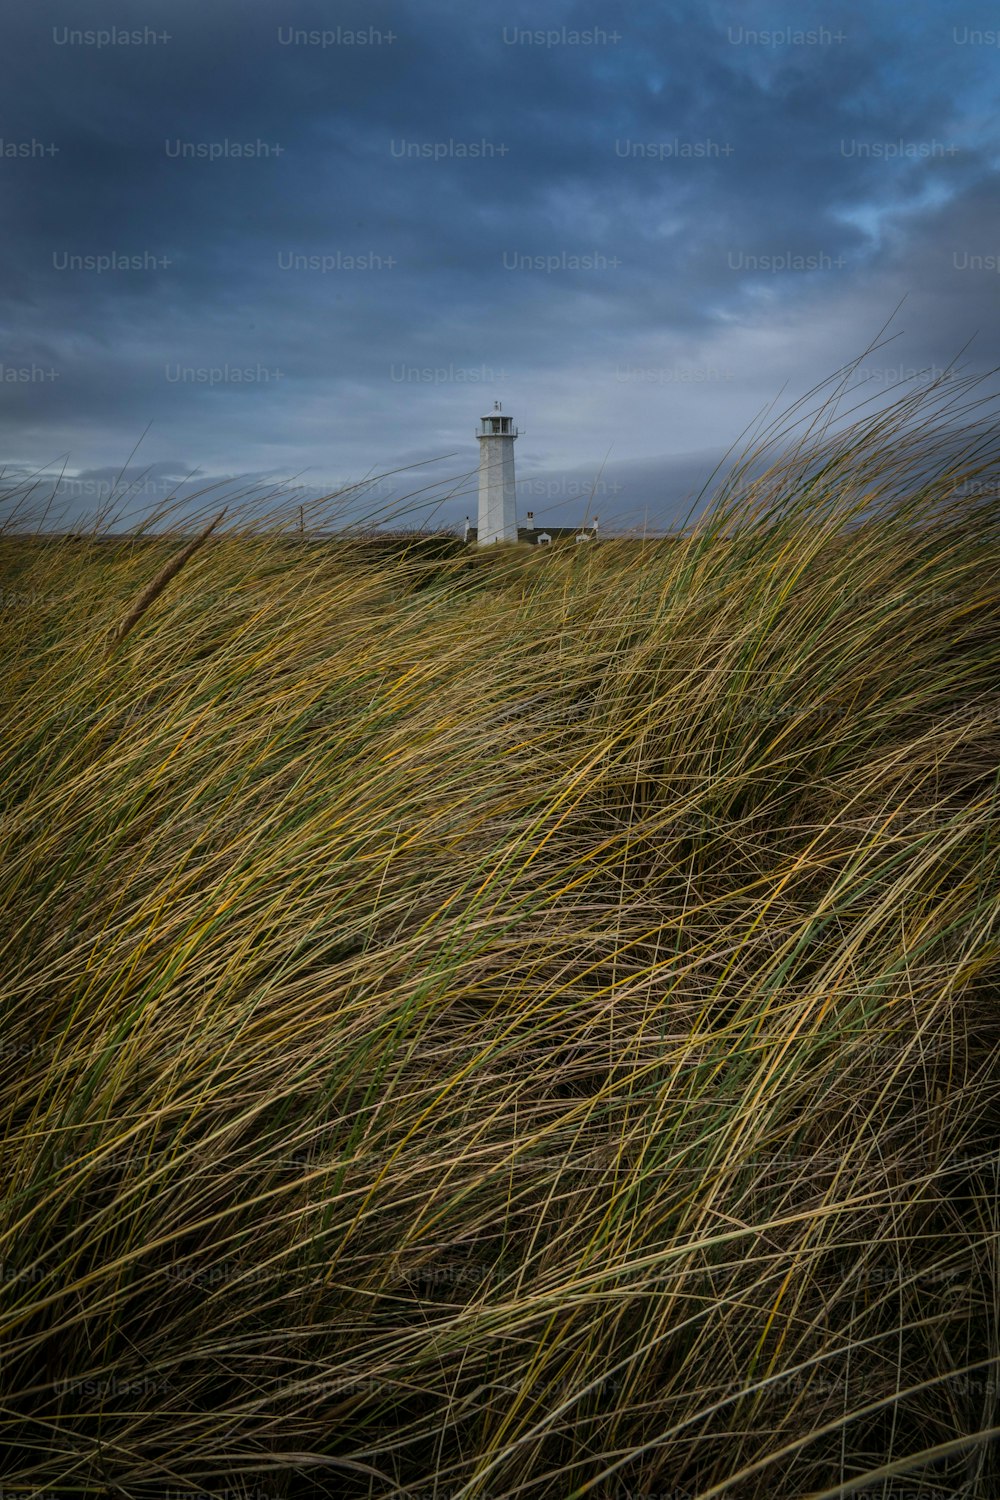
(316, 238)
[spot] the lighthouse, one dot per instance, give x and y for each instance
(497, 498)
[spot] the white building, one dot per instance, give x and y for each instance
(497, 496)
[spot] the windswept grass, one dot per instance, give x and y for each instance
(521, 1025)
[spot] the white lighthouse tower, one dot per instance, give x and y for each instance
(497, 497)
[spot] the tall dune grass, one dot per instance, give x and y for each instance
(520, 1024)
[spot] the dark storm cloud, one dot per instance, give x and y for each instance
(271, 240)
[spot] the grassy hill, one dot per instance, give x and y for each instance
(510, 1023)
